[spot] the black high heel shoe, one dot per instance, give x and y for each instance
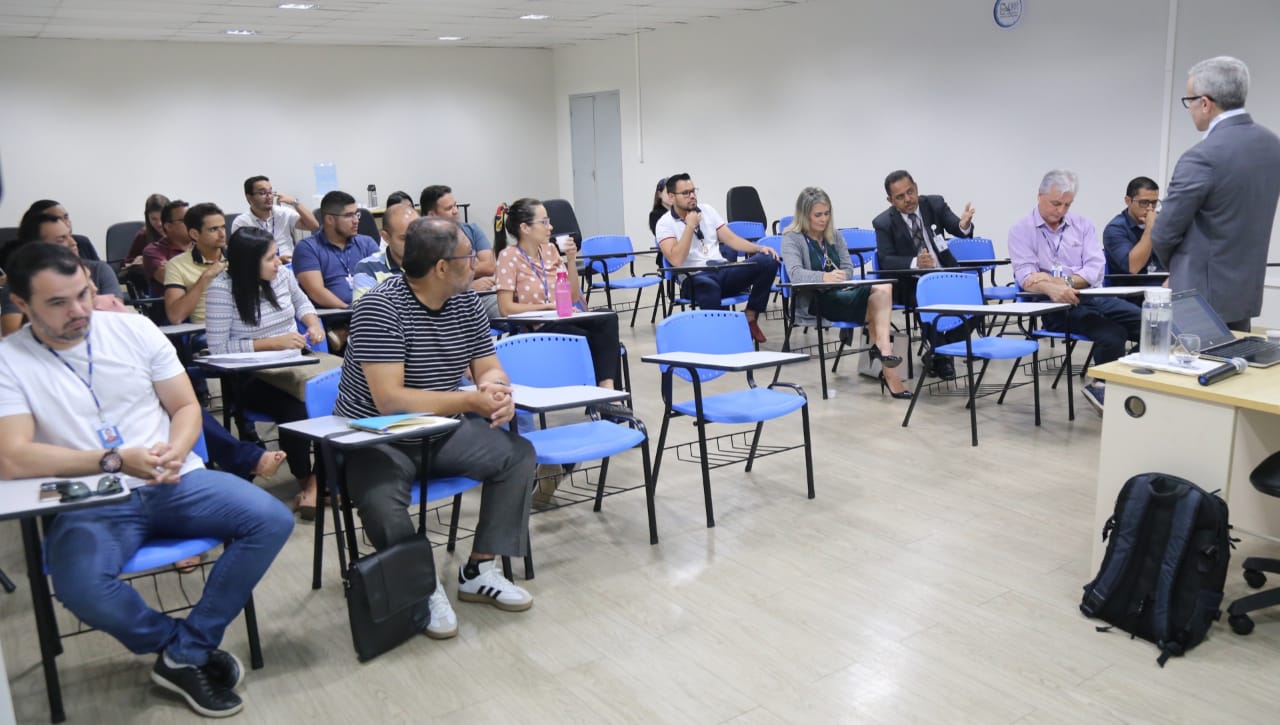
(888, 361)
(903, 394)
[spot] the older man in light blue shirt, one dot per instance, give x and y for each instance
(1055, 253)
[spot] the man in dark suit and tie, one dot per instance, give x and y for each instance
(1215, 227)
(910, 235)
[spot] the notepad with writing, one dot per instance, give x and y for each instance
(400, 423)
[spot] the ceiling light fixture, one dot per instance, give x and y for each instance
(295, 6)
(534, 16)
(240, 32)
(451, 37)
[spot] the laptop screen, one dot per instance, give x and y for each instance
(1192, 313)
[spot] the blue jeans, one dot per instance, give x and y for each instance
(230, 453)
(86, 549)
(706, 289)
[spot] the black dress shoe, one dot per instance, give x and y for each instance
(944, 368)
(197, 688)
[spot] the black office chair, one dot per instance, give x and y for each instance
(368, 225)
(742, 204)
(563, 220)
(119, 238)
(8, 234)
(1265, 478)
(229, 219)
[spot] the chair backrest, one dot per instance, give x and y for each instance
(563, 220)
(774, 242)
(119, 238)
(713, 331)
(608, 244)
(742, 204)
(784, 222)
(321, 393)
(368, 225)
(975, 248)
(546, 360)
(8, 234)
(860, 240)
(200, 449)
(229, 219)
(322, 346)
(749, 231)
(956, 288)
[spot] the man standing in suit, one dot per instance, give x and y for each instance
(1215, 226)
(909, 235)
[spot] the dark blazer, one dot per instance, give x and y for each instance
(895, 250)
(1215, 228)
(894, 247)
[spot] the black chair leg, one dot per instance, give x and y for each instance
(755, 442)
(7, 583)
(453, 523)
(808, 448)
(649, 490)
(255, 644)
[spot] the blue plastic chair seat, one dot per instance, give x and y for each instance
(1057, 335)
(1000, 293)
(156, 553)
(627, 283)
(991, 348)
(743, 406)
(586, 441)
(440, 489)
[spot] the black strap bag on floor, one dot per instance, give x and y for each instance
(1168, 545)
(383, 591)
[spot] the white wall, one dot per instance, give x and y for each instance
(837, 94)
(99, 125)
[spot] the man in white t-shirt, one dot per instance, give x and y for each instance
(277, 215)
(690, 236)
(111, 398)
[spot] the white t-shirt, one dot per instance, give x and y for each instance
(129, 353)
(279, 225)
(702, 250)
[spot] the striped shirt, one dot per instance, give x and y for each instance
(226, 332)
(390, 325)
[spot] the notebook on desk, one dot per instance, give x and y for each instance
(1192, 314)
(401, 423)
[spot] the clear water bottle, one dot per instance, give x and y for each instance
(1157, 323)
(564, 296)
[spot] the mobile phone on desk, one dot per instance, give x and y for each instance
(49, 491)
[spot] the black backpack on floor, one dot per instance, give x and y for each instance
(1166, 563)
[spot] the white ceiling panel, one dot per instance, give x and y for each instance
(488, 23)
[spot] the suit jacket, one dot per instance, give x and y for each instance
(894, 248)
(1215, 228)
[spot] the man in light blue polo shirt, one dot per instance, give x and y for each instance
(437, 200)
(325, 263)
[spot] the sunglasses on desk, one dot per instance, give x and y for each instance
(78, 491)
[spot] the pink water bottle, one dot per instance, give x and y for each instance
(564, 295)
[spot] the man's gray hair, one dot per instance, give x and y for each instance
(1060, 179)
(1223, 79)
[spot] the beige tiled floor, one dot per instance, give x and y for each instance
(928, 581)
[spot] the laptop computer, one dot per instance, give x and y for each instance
(1192, 314)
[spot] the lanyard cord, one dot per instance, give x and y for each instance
(539, 270)
(87, 383)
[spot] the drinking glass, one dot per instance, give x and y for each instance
(1186, 349)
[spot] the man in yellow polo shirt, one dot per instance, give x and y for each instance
(188, 275)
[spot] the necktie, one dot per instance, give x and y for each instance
(917, 234)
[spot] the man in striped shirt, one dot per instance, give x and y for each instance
(412, 338)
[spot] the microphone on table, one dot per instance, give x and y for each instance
(1234, 366)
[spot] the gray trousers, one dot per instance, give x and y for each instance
(378, 479)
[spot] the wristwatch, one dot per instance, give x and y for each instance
(111, 461)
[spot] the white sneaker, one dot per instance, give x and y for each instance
(444, 623)
(491, 587)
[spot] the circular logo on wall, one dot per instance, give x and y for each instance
(1007, 13)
